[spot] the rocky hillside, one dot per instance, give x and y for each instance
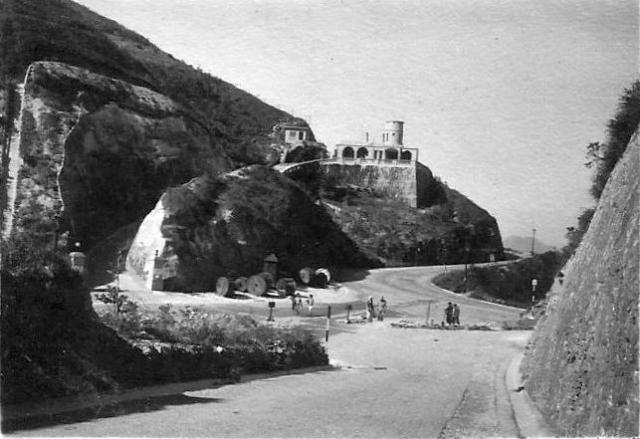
(63, 31)
(383, 224)
(583, 365)
(212, 227)
(96, 152)
(97, 122)
(97, 127)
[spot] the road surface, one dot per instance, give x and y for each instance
(390, 382)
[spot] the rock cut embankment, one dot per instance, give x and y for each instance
(583, 366)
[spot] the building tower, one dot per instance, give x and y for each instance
(392, 134)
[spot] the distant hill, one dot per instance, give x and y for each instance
(522, 244)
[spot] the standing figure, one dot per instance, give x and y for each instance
(448, 314)
(370, 309)
(311, 302)
(456, 314)
(298, 303)
(382, 308)
(293, 302)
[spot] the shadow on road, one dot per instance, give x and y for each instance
(349, 274)
(107, 411)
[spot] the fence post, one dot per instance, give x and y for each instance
(428, 311)
(326, 332)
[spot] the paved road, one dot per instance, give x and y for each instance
(391, 382)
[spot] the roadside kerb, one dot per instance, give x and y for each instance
(528, 418)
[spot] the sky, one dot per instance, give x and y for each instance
(500, 97)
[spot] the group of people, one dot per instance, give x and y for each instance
(296, 303)
(379, 311)
(452, 314)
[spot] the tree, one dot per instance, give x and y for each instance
(604, 156)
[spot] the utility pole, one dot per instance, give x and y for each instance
(533, 241)
(429, 302)
(466, 262)
(326, 331)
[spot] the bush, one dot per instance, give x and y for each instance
(605, 156)
(510, 284)
(190, 343)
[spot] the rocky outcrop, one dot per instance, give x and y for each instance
(97, 152)
(583, 366)
(212, 227)
(374, 205)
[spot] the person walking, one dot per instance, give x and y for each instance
(456, 314)
(448, 314)
(382, 308)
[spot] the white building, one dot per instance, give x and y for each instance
(390, 152)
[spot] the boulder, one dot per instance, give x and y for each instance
(213, 226)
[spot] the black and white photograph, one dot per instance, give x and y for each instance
(319, 218)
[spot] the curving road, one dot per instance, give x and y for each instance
(410, 289)
(390, 382)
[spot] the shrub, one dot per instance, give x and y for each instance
(605, 156)
(191, 343)
(509, 284)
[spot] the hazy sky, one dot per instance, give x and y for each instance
(501, 97)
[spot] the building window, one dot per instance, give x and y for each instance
(362, 153)
(347, 152)
(391, 154)
(292, 134)
(405, 155)
(301, 135)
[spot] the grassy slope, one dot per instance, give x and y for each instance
(60, 30)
